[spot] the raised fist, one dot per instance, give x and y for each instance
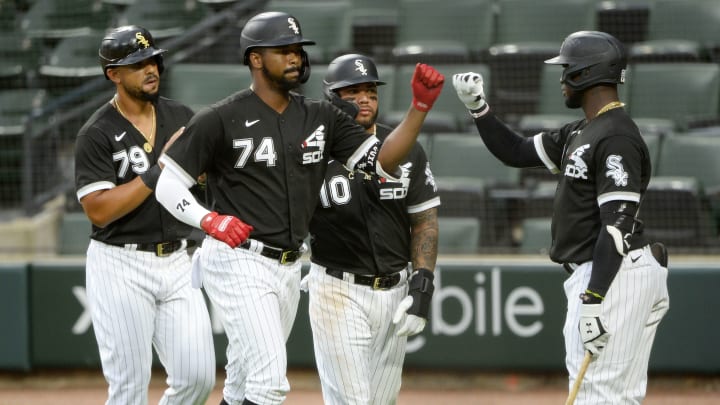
(226, 228)
(426, 85)
(469, 88)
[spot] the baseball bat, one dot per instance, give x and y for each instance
(578, 380)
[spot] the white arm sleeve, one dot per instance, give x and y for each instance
(172, 192)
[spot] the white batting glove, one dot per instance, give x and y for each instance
(304, 283)
(593, 333)
(469, 88)
(409, 324)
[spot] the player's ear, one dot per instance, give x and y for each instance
(255, 59)
(113, 74)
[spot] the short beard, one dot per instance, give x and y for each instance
(139, 94)
(574, 100)
(281, 82)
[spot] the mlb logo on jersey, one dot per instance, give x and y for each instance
(315, 140)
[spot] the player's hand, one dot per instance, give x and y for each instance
(426, 85)
(469, 88)
(226, 228)
(593, 333)
(412, 313)
(408, 324)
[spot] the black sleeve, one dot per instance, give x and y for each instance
(606, 258)
(505, 144)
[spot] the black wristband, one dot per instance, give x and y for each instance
(421, 289)
(480, 112)
(150, 177)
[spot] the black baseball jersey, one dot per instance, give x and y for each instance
(109, 152)
(362, 222)
(600, 161)
(266, 167)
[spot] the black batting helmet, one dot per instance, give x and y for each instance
(348, 70)
(591, 58)
(274, 29)
(128, 45)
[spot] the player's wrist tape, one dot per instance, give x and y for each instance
(150, 177)
(480, 111)
(421, 288)
(591, 297)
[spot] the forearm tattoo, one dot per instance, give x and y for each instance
(424, 239)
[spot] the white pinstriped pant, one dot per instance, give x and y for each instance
(358, 355)
(139, 300)
(257, 298)
(632, 309)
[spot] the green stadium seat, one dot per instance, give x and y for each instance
(53, 20)
(163, 18)
(681, 92)
(680, 30)
(72, 62)
(675, 211)
(431, 31)
(199, 85)
(325, 22)
(19, 58)
(529, 32)
(536, 237)
(74, 234)
(458, 235)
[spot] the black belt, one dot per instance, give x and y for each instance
(159, 248)
(282, 256)
(376, 282)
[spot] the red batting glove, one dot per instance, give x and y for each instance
(426, 84)
(226, 228)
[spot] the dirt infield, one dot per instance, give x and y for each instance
(87, 387)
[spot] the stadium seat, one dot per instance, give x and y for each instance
(325, 22)
(458, 235)
(626, 20)
(74, 234)
(676, 212)
(19, 59)
(53, 20)
(529, 32)
(536, 236)
(680, 30)
(472, 182)
(681, 92)
(164, 18)
(431, 31)
(374, 26)
(72, 62)
(201, 84)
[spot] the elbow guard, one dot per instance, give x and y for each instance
(619, 220)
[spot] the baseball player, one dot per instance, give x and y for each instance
(364, 232)
(265, 150)
(617, 291)
(138, 269)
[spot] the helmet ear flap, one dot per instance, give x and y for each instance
(305, 68)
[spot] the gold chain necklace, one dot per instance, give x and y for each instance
(148, 141)
(609, 106)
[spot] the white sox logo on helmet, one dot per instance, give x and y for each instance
(360, 67)
(292, 24)
(142, 40)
